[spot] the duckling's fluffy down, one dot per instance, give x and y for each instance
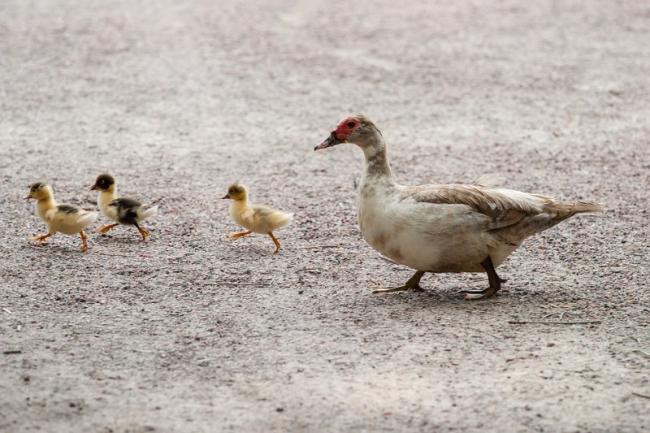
(263, 219)
(69, 220)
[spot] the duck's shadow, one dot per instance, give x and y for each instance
(432, 299)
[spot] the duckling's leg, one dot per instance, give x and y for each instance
(41, 239)
(143, 232)
(276, 242)
(493, 278)
(105, 228)
(84, 241)
(237, 235)
(412, 284)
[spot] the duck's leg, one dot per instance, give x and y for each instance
(493, 278)
(105, 228)
(276, 242)
(237, 235)
(412, 284)
(143, 232)
(41, 239)
(84, 241)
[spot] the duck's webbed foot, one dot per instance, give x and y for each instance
(412, 284)
(495, 283)
(476, 294)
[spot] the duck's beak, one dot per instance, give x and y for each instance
(225, 196)
(93, 188)
(330, 141)
(28, 196)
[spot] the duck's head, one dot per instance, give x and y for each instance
(355, 129)
(237, 192)
(39, 191)
(104, 182)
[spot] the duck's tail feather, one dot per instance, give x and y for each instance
(147, 211)
(281, 219)
(586, 207)
(87, 218)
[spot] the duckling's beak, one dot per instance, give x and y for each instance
(93, 188)
(225, 197)
(330, 141)
(28, 196)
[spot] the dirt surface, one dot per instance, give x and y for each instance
(189, 332)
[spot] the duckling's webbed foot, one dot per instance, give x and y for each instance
(41, 239)
(105, 228)
(143, 232)
(494, 279)
(236, 235)
(412, 284)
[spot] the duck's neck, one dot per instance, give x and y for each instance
(377, 167)
(105, 197)
(240, 205)
(44, 205)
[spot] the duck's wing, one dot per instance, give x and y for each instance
(510, 215)
(126, 209)
(67, 209)
(67, 215)
(496, 203)
(267, 219)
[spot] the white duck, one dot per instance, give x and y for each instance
(122, 210)
(63, 218)
(443, 228)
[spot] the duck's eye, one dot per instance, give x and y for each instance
(351, 125)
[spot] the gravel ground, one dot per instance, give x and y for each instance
(189, 332)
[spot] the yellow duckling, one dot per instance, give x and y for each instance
(254, 217)
(60, 218)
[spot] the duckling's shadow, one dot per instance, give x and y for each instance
(119, 239)
(257, 251)
(60, 250)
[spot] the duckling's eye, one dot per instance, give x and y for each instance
(351, 125)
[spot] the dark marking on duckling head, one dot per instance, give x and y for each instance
(38, 191)
(36, 186)
(236, 191)
(103, 182)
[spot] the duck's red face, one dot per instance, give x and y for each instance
(341, 134)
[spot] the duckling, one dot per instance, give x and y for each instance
(63, 218)
(122, 210)
(254, 217)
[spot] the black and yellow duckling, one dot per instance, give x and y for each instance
(122, 210)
